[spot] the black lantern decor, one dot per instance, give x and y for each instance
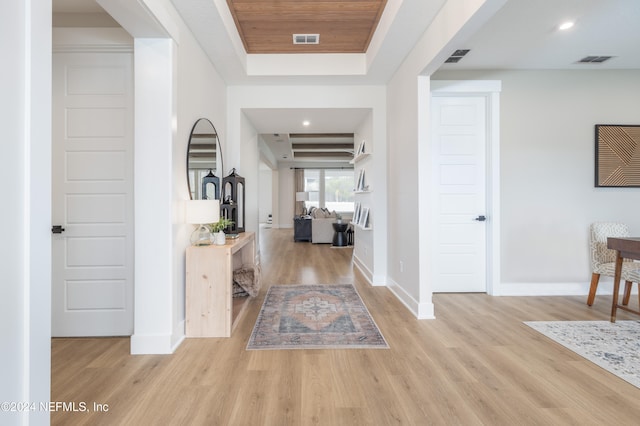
(210, 187)
(232, 206)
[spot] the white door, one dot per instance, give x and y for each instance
(459, 202)
(92, 194)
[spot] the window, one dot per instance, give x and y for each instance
(330, 188)
(312, 186)
(338, 190)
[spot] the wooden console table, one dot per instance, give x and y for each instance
(626, 248)
(211, 309)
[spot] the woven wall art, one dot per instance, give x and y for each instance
(617, 155)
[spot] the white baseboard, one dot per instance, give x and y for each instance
(177, 342)
(379, 281)
(555, 289)
(178, 335)
(360, 266)
(419, 310)
(152, 344)
(372, 279)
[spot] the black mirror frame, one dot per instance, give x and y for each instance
(218, 153)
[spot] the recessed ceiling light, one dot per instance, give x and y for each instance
(306, 123)
(565, 25)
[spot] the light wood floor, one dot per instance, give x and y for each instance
(477, 363)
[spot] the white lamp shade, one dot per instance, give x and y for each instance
(202, 211)
(302, 196)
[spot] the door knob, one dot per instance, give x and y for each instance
(57, 229)
(480, 218)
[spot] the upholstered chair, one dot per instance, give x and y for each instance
(603, 260)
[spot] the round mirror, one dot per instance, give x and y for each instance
(204, 162)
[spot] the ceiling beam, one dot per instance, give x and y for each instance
(322, 146)
(320, 135)
(316, 154)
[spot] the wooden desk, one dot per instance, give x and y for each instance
(211, 309)
(626, 248)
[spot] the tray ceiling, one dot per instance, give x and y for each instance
(343, 26)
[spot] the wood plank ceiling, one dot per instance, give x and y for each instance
(344, 26)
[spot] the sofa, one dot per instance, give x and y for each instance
(322, 230)
(322, 221)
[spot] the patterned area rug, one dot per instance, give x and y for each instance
(613, 346)
(314, 317)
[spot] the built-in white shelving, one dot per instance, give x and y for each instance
(362, 215)
(368, 228)
(360, 157)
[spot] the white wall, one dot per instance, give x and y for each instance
(403, 194)
(154, 61)
(201, 93)
(249, 169)
(25, 173)
(265, 194)
(275, 197)
(363, 249)
(175, 85)
(407, 127)
(243, 154)
(370, 246)
(547, 172)
(285, 197)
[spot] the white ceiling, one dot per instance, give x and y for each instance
(276, 120)
(76, 6)
(523, 34)
(276, 124)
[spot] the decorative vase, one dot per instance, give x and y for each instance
(219, 238)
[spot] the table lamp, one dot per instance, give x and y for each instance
(302, 197)
(202, 212)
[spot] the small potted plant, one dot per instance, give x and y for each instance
(217, 230)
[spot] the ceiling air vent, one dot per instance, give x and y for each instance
(306, 38)
(456, 56)
(594, 59)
